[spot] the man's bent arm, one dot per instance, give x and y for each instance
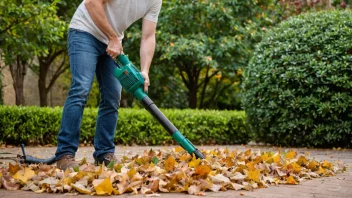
(97, 13)
(147, 47)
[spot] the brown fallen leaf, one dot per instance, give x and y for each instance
(170, 163)
(13, 168)
(202, 170)
(11, 185)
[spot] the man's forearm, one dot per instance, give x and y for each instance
(97, 13)
(147, 52)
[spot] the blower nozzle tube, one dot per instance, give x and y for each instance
(171, 129)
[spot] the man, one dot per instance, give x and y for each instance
(94, 41)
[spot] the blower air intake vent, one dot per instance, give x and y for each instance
(127, 80)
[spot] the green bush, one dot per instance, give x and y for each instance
(298, 85)
(35, 125)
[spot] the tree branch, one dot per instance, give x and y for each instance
(213, 74)
(183, 77)
(58, 72)
(206, 80)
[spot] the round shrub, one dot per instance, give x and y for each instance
(298, 84)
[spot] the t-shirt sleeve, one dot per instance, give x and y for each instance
(154, 10)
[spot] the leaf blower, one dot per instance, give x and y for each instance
(132, 81)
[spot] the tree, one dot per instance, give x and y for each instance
(206, 41)
(27, 28)
(202, 44)
(57, 58)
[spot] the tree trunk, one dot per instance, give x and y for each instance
(44, 65)
(43, 93)
(192, 98)
(191, 82)
(18, 72)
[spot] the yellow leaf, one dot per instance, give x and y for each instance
(140, 161)
(265, 157)
(172, 44)
(321, 171)
(226, 151)
(240, 168)
(24, 175)
(131, 173)
(296, 167)
(202, 170)
(232, 154)
(250, 166)
(184, 157)
(291, 155)
(194, 163)
(99, 171)
(229, 162)
(327, 165)
(104, 188)
(313, 165)
(79, 175)
(179, 149)
(169, 163)
(277, 158)
(118, 167)
(67, 181)
(247, 152)
(208, 158)
(291, 180)
(254, 175)
(302, 161)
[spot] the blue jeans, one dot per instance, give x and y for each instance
(88, 57)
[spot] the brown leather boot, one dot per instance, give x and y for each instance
(109, 157)
(67, 161)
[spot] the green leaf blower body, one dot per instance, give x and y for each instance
(132, 81)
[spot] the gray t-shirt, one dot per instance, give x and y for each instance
(120, 14)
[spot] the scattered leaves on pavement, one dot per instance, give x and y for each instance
(171, 171)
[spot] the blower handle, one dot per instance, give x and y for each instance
(123, 60)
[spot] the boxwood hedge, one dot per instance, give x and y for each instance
(298, 85)
(35, 125)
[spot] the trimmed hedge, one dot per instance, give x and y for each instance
(35, 125)
(298, 85)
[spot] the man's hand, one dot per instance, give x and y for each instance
(146, 80)
(114, 48)
(97, 13)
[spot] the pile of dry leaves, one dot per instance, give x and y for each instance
(171, 171)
